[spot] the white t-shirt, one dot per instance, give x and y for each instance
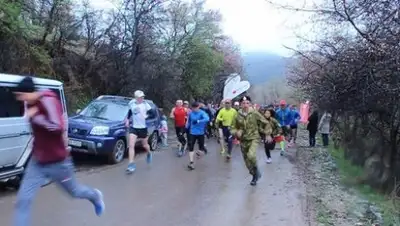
(139, 114)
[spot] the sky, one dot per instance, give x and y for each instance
(255, 25)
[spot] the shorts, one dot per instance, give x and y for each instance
(140, 133)
(180, 131)
(293, 126)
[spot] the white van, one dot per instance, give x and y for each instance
(15, 132)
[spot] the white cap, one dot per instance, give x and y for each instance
(139, 93)
(236, 103)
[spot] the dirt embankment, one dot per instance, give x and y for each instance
(329, 202)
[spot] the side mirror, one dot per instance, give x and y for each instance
(78, 111)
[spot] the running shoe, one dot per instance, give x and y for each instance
(282, 153)
(99, 205)
(191, 166)
(131, 168)
(269, 161)
(179, 153)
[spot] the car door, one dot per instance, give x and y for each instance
(15, 131)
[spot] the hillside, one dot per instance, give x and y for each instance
(263, 66)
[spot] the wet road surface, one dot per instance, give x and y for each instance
(216, 193)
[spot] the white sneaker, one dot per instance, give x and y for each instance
(269, 160)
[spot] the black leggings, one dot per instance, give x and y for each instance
(200, 141)
(180, 133)
(268, 148)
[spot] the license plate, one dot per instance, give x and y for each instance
(75, 143)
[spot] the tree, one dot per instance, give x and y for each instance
(166, 48)
(351, 70)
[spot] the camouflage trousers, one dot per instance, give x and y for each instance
(249, 151)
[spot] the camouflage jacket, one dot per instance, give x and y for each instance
(275, 126)
(251, 124)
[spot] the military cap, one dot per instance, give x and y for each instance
(243, 98)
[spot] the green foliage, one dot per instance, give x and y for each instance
(350, 174)
(167, 49)
(201, 65)
(9, 16)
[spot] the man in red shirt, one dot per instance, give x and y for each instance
(179, 114)
(50, 158)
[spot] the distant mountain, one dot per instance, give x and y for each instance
(263, 66)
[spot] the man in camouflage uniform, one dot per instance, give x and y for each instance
(246, 127)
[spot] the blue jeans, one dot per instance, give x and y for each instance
(62, 173)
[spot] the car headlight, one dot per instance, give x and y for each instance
(100, 130)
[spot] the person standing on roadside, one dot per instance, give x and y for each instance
(283, 117)
(136, 122)
(50, 158)
(246, 127)
(197, 120)
(164, 131)
(179, 114)
(312, 127)
(324, 128)
(225, 117)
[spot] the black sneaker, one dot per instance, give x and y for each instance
(256, 177)
(254, 180)
(191, 166)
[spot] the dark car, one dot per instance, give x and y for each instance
(99, 129)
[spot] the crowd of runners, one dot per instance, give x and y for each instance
(237, 122)
(241, 122)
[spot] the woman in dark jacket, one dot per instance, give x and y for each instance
(312, 127)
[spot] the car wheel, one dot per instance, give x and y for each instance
(153, 141)
(118, 152)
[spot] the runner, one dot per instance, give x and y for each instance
(210, 116)
(218, 126)
(179, 114)
(196, 123)
(226, 116)
(269, 114)
(236, 105)
(246, 127)
(50, 158)
(294, 120)
(283, 117)
(137, 128)
(186, 106)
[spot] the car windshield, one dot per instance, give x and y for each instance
(106, 110)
